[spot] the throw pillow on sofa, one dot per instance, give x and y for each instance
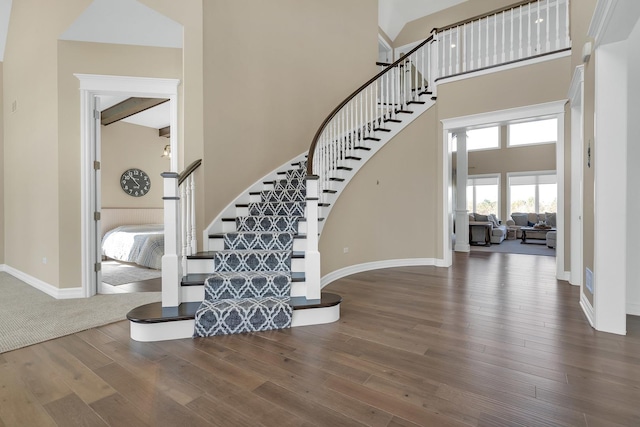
(520, 219)
(550, 218)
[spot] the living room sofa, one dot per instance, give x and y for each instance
(529, 219)
(478, 226)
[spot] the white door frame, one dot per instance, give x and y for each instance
(576, 98)
(547, 109)
(92, 85)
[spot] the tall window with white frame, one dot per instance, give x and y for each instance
(532, 192)
(483, 194)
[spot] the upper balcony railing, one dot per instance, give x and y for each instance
(515, 33)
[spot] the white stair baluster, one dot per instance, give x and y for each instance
(503, 54)
(479, 65)
(486, 61)
(529, 41)
(183, 226)
(548, 34)
(511, 52)
(538, 44)
(567, 41)
(471, 52)
(558, 25)
(194, 239)
(520, 35)
(495, 39)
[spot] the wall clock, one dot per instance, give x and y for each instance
(135, 182)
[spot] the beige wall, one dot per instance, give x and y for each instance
(402, 216)
(125, 146)
(2, 180)
(44, 219)
(273, 71)
(387, 211)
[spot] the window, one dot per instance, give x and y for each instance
(483, 194)
(533, 192)
(479, 139)
(533, 132)
(483, 139)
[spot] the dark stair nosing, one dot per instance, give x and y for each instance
(333, 178)
(363, 148)
(381, 130)
(352, 158)
(155, 313)
(228, 220)
(242, 205)
(330, 191)
(416, 102)
(197, 279)
(392, 120)
(369, 138)
(211, 254)
(344, 168)
(433, 98)
(221, 235)
(324, 205)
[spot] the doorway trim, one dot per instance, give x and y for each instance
(92, 85)
(554, 108)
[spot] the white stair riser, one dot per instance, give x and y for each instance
(196, 293)
(200, 266)
(217, 244)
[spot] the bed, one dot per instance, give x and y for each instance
(140, 244)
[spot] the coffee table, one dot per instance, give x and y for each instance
(537, 230)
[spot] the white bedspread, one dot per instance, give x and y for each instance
(140, 244)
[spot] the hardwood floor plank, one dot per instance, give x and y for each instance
(18, 406)
(384, 402)
(155, 407)
(118, 412)
(72, 411)
(494, 340)
(45, 384)
(77, 376)
(303, 408)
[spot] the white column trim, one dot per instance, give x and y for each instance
(576, 99)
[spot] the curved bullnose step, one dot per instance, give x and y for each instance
(152, 322)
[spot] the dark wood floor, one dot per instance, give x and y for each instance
(493, 341)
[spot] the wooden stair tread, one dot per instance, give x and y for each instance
(155, 313)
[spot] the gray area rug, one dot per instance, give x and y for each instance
(29, 316)
(515, 247)
(115, 273)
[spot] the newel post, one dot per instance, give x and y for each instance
(312, 255)
(171, 268)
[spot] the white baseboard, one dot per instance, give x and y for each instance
(57, 293)
(587, 309)
(566, 276)
(376, 265)
(633, 308)
(3, 267)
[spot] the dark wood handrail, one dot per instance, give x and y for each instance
(335, 111)
(484, 15)
(189, 170)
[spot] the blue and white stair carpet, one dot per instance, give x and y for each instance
(250, 287)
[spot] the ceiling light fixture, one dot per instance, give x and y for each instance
(167, 151)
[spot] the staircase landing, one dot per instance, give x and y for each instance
(152, 322)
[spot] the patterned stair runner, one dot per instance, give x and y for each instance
(250, 287)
